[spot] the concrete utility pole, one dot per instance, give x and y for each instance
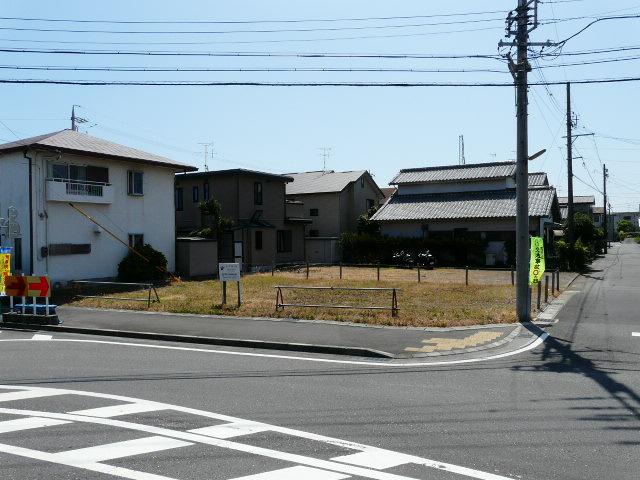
(570, 213)
(461, 159)
(605, 175)
(523, 304)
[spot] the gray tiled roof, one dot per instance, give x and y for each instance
(538, 179)
(487, 204)
(454, 173)
(578, 199)
(81, 143)
(321, 181)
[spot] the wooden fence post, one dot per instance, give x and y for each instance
(466, 275)
(378, 273)
(307, 270)
(418, 273)
(340, 270)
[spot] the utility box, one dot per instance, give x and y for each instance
(196, 257)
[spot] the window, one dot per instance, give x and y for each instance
(313, 212)
(284, 241)
(134, 182)
(370, 203)
(136, 240)
(79, 173)
(257, 193)
(195, 194)
(258, 236)
(179, 199)
(314, 233)
(17, 253)
(205, 191)
(361, 182)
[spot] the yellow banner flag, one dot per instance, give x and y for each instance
(5, 269)
(537, 260)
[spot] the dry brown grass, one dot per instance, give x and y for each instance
(440, 300)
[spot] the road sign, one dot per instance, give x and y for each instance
(229, 272)
(38, 287)
(19, 286)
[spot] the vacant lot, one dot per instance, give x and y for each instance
(441, 299)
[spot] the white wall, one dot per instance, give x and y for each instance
(14, 174)
(476, 186)
(151, 214)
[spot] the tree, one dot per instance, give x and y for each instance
(211, 211)
(144, 264)
(625, 226)
(366, 226)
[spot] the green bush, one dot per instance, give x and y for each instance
(133, 268)
(380, 249)
(572, 260)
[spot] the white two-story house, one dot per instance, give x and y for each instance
(128, 192)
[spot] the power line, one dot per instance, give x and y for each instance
(248, 70)
(301, 84)
(243, 22)
(7, 127)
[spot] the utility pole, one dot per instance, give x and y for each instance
(75, 120)
(461, 159)
(605, 175)
(570, 213)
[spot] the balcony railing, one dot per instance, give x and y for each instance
(63, 189)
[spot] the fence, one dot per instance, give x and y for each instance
(280, 305)
(120, 287)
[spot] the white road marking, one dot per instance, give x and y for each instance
(230, 430)
(28, 423)
(26, 394)
(635, 334)
(295, 473)
(224, 444)
(79, 463)
(117, 410)
(39, 336)
(534, 344)
(128, 448)
(374, 458)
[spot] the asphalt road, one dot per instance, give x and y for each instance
(75, 407)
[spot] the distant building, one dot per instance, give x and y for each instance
(333, 201)
(387, 192)
(581, 204)
(266, 228)
(473, 200)
(614, 218)
(126, 190)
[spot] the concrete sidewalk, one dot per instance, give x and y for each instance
(286, 334)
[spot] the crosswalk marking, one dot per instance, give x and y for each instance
(128, 448)
(296, 473)
(39, 336)
(118, 410)
(26, 394)
(378, 459)
(230, 430)
(28, 423)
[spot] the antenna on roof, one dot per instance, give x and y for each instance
(326, 155)
(206, 154)
(76, 120)
(461, 159)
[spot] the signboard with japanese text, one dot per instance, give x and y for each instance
(537, 262)
(5, 269)
(229, 272)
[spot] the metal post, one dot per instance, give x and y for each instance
(558, 280)
(46, 306)
(394, 303)
(523, 306)
(553, 283)
(149, 296)
(224, 293)
(466, 275)
(539, 289)
(33, 299)
(513, 276)
(378, 272)
(24, 301)
(419, 274)
(307, 270)
(340, 270)
(239, 294)
(546, 289)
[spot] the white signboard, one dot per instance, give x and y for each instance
(229, 272)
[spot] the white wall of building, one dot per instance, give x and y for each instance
(56, 222)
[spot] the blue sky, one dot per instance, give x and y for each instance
(379, 129)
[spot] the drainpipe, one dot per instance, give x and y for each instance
(30, 209)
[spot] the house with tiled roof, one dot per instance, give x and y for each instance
(470, 201)
(128, 192)
(581, 203)
(333, 201)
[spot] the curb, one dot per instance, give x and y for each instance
(229, 342)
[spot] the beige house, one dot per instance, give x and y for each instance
(333, 201)
(266, 229)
